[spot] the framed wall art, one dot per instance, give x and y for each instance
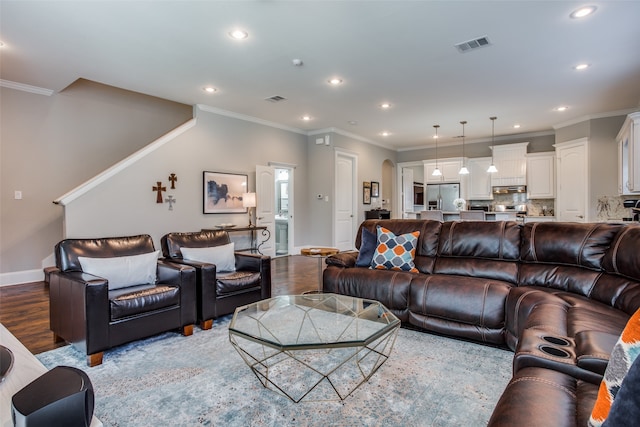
(375, 189)
(222, 192)
(366, 193)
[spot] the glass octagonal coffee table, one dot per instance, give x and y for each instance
(314, 346)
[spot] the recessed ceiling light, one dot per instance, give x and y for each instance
(582, 12)
(335, 81)
(562, 108)
(516, 126)
(352, 122)
(385, 133)
(238, 34)
(581, 66)
(385, 105)
(306, 118)
(209, 89)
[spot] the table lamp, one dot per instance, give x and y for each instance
(249, 201)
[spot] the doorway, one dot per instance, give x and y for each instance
(345, 207)
(282, 204)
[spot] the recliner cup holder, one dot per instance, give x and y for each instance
(556, 340)
(554, 351)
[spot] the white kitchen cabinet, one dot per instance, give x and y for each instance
(511, 162)
(479, 180)
(448, 167)
(541, 175)
(629, 156)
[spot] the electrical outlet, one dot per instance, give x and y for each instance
(17, 195)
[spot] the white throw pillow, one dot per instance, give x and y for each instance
(222, 256)
(123, 271)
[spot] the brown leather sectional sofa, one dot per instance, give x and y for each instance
(557, 294)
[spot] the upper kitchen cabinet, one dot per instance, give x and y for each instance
(448, 167)
(511, 162)
(541, 175)
(629, 155)
(479, 187)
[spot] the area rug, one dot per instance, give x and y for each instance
(172, 380)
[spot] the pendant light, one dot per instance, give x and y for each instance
(492, 168)
(463, 170)
(436, 171)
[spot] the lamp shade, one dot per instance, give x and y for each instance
(249, 200)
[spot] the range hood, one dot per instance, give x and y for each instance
(506, 189)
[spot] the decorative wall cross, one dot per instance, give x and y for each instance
(171, 201)
(159, 189)
(173, 178)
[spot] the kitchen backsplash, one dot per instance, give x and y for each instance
(611, 207)
(534, 206)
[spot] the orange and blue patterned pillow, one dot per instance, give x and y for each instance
(624, 353)
(395, 252)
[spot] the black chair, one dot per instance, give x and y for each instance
(220, 293)
(85, 312)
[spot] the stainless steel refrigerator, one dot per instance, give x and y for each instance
(441, 196)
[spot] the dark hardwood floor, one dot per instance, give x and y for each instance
(24, 309)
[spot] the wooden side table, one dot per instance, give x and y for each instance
(320, 253)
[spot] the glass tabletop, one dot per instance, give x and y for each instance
(313, 321)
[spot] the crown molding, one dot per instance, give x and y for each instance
(246, 118)
(594, 116)
(26, 88)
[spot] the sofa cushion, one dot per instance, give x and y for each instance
(427, 247)
(367, 248)
(622, 258)
(123, 271)
(236, 281)
(622, 357)
(468, 307)
(544, 397)
(222, 256)
(395, 252)
(485, 249)
(142, 299)
(577, 244)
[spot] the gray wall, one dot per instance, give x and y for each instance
(322, 176)
(49, 145)
(537, 144)
(603, 155)
(125, 204)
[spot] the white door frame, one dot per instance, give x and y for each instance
(399, 213)
(291, 226)
(354, 188)
(581, 142)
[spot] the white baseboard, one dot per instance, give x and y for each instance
(18, 277)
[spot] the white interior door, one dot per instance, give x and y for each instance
(407, 191)
(345, 205)
(265, 207)
(573, 181)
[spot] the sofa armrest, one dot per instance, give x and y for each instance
(184, 276)
(79, 309)
(251, 262)
(254, 262)
(343, 259)
(593, 349)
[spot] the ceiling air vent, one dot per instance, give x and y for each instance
(276, 98)
(470, 45)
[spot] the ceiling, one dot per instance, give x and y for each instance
(401, 52)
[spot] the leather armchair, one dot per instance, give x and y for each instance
(93, 318)
(216, 295)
